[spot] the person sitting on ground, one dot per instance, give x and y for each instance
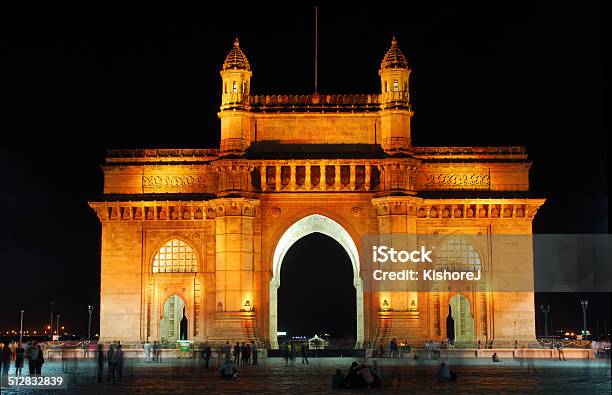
(228, 369)
(353, 379)
(495, 357)
(366, 375)
(338, 379)
(444, 373)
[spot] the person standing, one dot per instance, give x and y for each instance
(254, 351)
(40, 360)
(112, 363)
(305, 352)
(237, 354)
(227, 349)
(19, 356)
(155, 351)
(100, 360)
(147, 351)
(32, 355)
(207, 354)
(119, 362)
(5, 356)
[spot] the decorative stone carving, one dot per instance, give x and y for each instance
(455, 180)
(275, 211)
(356, 211)
(173, 183)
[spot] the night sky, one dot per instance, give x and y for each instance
(75, 85)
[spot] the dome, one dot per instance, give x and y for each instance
(236, 59)
(394, 58)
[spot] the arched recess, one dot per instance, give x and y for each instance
(303, 227)
(460, 310)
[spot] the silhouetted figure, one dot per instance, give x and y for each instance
(156, 351)
(19, 357)
(32, 355)
(5, 358)
(237, 353)
(254, 352)
(445, 374)
(119, 362)
(338, 379)
(228, 369)
(40, 360)
(305, 352)
(377, 373)
(495, 358)
(559, 346)
(206, 355)
(111, 358)
(366, 375)
(183, 327)
(100, 361)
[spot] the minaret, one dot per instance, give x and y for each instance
(234, 115)
(395, 100)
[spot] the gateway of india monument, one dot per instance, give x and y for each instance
(198, 236)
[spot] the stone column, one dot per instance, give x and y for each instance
(367, 177)
(307, 182)
(263, 170)
(337, 181)
(292, 182)
(322, 182)
(277, 176)
(352, 179)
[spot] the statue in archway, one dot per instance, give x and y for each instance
(183, 329)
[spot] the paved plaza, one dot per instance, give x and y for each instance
(186, 376)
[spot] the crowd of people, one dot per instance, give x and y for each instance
(432, 349)
(15, 353)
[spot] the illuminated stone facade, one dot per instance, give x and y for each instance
(289, 165)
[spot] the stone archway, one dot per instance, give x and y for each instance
(303, 227)
(170, 323)
(463, 321)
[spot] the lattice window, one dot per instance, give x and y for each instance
(458, 253)
(175, 256)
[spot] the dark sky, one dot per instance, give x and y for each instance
(78, 83)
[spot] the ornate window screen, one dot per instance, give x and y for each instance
(175, 256)
(458, 254)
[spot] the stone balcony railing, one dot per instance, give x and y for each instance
(314, 102)
(318, 175)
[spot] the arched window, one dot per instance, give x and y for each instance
(235, 87)
(175, 256)
(458, 253)
(395, 86)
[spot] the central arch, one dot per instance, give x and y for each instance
(305, 226)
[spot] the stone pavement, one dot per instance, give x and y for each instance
(184, 376)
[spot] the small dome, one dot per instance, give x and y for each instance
(236, 59)
(394, 58)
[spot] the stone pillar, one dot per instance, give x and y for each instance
(235, 271)
(262, 176)
(322, 182)
(337, 181)
(367, 177)
(352, 179)
(292, 182)
(307, 182)
(277, 175)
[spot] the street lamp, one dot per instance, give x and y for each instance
(585, 304)
(545, 310)
(58, 332)
(52, 307)
(90, 309)
(21, 328)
